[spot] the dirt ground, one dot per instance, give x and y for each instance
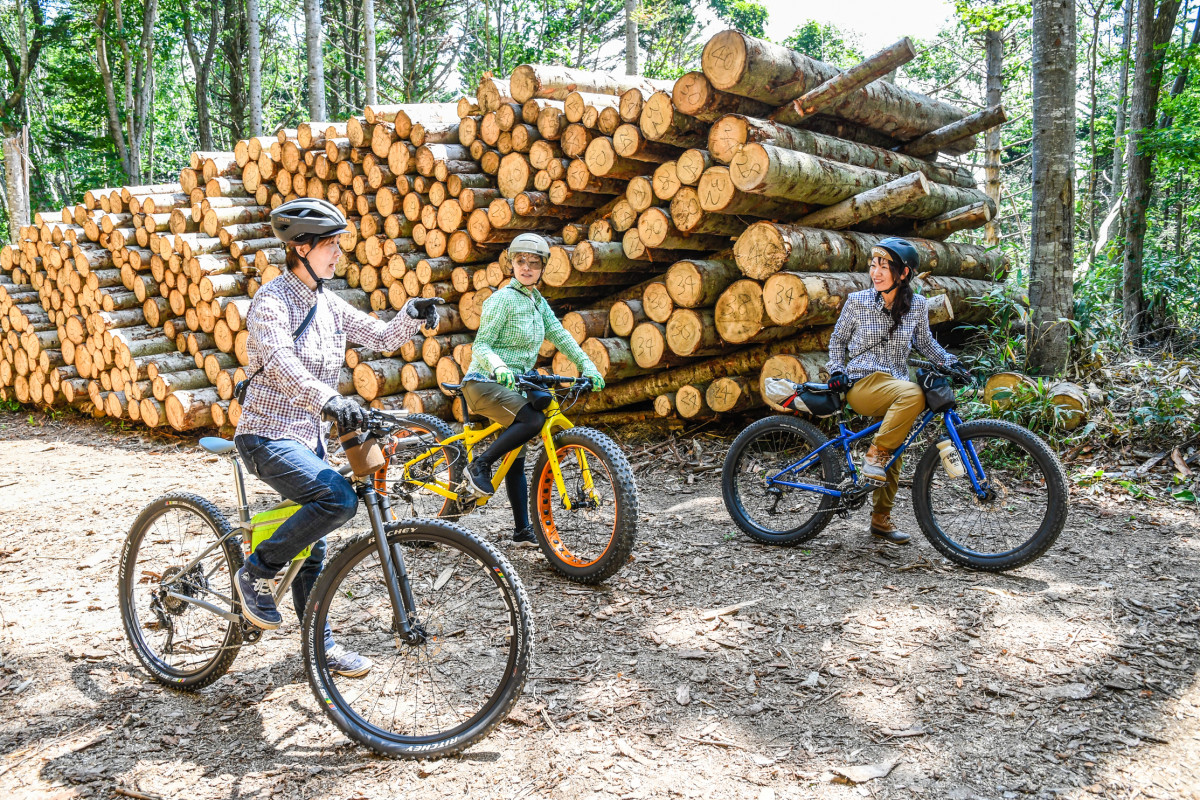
(1073, 677)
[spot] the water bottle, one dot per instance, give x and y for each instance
(950, 459)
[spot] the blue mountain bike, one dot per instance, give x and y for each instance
(994, 498)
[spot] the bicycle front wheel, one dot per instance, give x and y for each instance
(178, 554)
(464, 673)
(591, 540)
(1018, 516)
(764, 454)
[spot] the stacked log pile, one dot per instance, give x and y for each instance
(704, 233)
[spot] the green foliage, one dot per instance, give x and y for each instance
(669, 34)
(825, 43)
(748, 16)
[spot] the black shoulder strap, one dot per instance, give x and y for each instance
(239, 391)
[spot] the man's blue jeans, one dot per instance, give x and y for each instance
(328, 502)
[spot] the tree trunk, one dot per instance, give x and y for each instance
(16, 184)
(994, 45)
(1153, 32)
(313, 41)
(546, 82)
(1120, 151)
(254, 38)
(873, 202)
(631, 37)
(1051, 261)
(698, 283)
(202, 64)
(372, 85)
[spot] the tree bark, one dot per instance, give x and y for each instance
(769, 247)
(202, 64)
(732, 131)
(1154, 30)
(543, 81)
(631, 37)
(314, 49)
(737, 63)
(254, 40)
(1120, 150)
(994, 46)
(371, 84)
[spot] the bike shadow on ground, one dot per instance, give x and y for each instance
(246, 725)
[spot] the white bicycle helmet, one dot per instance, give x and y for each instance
(530, 243)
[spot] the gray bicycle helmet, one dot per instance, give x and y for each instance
(306, 220)
(530, 243)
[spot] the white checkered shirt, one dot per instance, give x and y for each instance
(300, 377)
(861, 338)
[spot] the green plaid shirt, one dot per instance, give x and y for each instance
(512, 326)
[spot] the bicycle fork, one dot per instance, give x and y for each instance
(391, 561)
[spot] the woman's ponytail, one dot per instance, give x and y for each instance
(902, 303)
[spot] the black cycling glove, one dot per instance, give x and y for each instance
(838, 381)
(424, 307)
(348, 415)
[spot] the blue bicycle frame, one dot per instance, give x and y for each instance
(847, 437)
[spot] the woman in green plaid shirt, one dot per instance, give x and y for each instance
(514, 323)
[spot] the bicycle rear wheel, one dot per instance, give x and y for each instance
(593, 539)
(414, 461)
(435, 697)
(768, 512)
(1021, 514)
(181, 643)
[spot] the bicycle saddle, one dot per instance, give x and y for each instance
(456, 388)
(817, 387)
(217, 446)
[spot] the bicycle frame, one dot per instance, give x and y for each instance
(847, 437)
(555, 420)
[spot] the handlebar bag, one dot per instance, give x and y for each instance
(939, 393)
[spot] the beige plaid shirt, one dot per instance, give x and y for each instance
(300, 377)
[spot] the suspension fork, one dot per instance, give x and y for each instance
(391, 561)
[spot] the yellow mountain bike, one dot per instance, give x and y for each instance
(582, 500)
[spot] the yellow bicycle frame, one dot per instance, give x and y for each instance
(471, 436)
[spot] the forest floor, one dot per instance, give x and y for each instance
(1073, 677)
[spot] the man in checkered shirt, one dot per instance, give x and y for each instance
(868, 359)
(297, 344)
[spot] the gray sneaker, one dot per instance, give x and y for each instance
(258, 604)
(525, 538)
(347, 662)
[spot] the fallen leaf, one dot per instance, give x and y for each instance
(683, 695)
(915, 730)
(867, 772)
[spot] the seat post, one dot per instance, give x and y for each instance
(239, 487)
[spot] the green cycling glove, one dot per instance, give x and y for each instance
(597, 380)
(506, 378)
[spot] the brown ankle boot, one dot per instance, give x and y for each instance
(875, 464)
(882, 527)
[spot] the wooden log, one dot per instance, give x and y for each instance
(797, 366)
(740, 315)
(718, 194)
(690, 219)
(189, 409)
(690, 403)
(730, 395)
(659, 382)
(625, 315)
(791, 174)
(884, 199)
(731, 132)
(661, 122)
(947, 135)
(589, 256)
(691, 164)
(975, 215)
(428, 401)
(665, 182)
(656, 229)
(603, 161)
(640, 193)
(1001, 387)
(377, 378)
(877, 66)
(766, 248)
(656, 301)
(629, 142)
(613, 358)
(695, 96)
(693, 283)
(800, 299)
(737, 63)
(664, 405)
(586, 323)
(542, 81)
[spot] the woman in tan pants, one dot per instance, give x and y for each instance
(868, 359)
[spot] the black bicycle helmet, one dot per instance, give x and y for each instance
(306, 220)
(902, 252)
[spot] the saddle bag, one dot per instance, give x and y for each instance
(795, 396)
(939, 392)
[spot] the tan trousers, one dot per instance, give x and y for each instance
(900, 403)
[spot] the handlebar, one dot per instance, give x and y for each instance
(961, 376)
(536, 380)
